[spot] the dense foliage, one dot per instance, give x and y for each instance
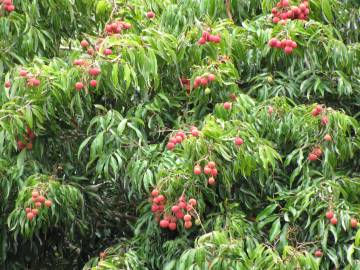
(179, 134)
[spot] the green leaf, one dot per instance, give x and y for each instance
(275, 230)
(357, 238)
(266, 212)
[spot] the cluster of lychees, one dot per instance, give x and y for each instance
(319, 110)
(204, 80)
(180, 136)
(287, 45)
(92, 71)
(177, 139)
(208, 37)
(32, 81)
(198, 81)
(116, 27)
(180, 211)
(315, 154)
(90, 51)
(210, 170)
(283, 11)
(334, 221)
(29, 138)
(38, 201)
(7, 5)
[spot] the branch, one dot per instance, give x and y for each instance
(228, 9)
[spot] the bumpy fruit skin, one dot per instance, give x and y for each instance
(187, 218)
(173, 140)
(197, 170)
(353, 223)
(94, 71)
(127, 26)
(10, 8)
(23, 73)
(21, 145)
(175, 208)
(324, 120)
(164, 223)
(204, 81)
(201, 41)
(211, 181)
(211, 164)
(239, 141)
(195, 133)
(329, 214)
(288, 50)
(327, 138)
(78, 62)
(30, 216)
(192, 202)
(272, 42)
(7, 84)
(84, 43)
(318, 253)
(187, 224)
(178, 139)
(276, 20)
(154, 193)
(107, 51)
(150, 14)
(317, 110)
(211, 77)
(27, 210)
(170, 146)
(179, 215)
(90, 51)
(48, 203)
(312, 157)
(207, 170)
(181, 134)
(334, 221)
(161, 198)
(227, 105)
(172, 226)
(214, 172)
(93, 83)
(154, 208)
(205, 35)
(79, 86)
(35, 212)
(302, 7)
(216, 39)
(317, 151)
(182, 205)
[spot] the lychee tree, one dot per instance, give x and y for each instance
(180, 134)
